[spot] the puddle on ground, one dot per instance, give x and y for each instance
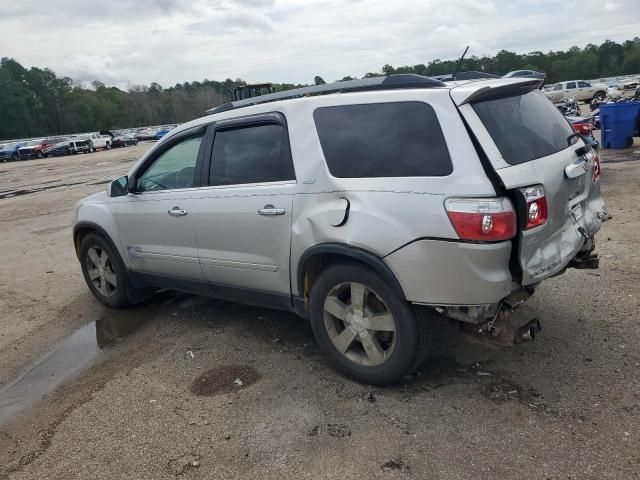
(224, 380)
(79, 351)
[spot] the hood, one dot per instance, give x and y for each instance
(99, 197)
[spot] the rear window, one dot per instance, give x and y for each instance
(524, 127)
(400, 139)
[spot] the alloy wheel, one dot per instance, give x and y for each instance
(101, 272)
(359, 324)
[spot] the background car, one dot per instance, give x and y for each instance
(525, 74)
(36, 148)
(147, 134)
(79, 144)
(578, 89)
(57, 149)
(162, 132)
(124, 140)
(9, 151)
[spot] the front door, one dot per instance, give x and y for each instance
(243, 216)
(156, 223)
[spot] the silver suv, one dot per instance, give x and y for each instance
(370, 207)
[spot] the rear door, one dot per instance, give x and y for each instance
(243, 214)
(530, 144)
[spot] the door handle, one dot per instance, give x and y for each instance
(177, 212)
(270, 211)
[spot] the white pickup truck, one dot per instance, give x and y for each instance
(578, 89)
(99, 141)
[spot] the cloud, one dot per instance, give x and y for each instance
(231, 22)
(171, 41)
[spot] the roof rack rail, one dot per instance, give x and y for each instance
(408, 80)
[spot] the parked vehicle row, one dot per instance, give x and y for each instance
(60, 146)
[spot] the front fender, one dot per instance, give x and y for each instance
(100, 218)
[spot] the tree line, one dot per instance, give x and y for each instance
(36, 102)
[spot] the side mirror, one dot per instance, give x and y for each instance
(119, 187)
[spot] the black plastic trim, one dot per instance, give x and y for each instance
(247, 296)
(97, 228)
(352, 252)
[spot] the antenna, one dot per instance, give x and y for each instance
(459, 63)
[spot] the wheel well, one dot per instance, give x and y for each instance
(84, 229)
(79, 234)
(316, 260)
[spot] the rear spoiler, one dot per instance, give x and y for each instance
(479, 91)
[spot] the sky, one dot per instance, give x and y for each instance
(124, 42)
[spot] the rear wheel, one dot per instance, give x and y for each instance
(366, 329)
(103, 271)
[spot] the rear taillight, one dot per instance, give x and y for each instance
(536, 206)
(596, 169)
(583, 128)
(482, 219)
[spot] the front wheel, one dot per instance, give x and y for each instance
(40, 155)
(364, 326)
(108, 146)
(600, 96)
(103, 271)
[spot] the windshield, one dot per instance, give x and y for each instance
(524, 127)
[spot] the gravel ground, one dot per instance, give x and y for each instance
(149, 392)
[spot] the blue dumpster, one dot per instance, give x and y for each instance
(618, 124)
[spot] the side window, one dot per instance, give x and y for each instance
(401, 139)
(557, 87)
(571, 85)
(583, 85)
(252, 154)
(174, 168)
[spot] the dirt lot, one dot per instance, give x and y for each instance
(148, 392)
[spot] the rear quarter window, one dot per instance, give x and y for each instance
(524, 127)
(401, 139)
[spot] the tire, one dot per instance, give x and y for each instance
(424, 318)
(91, 149)
(108, 146)
(600, 96)
(393, 349)
(40, 155)
(105, 277)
